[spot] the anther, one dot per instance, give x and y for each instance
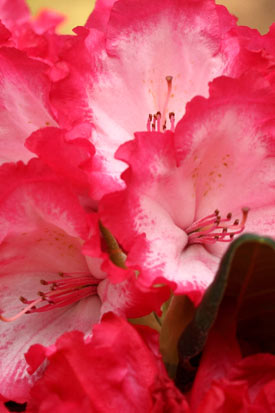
(172, 120)
(214, 227)
(245, 211)
(158, 121)
(149, 122)
(68, 290)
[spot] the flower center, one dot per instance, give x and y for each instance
(68, 289)
(213, 228)
(158, 120)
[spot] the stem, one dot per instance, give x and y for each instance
(178, 316)
(115, 252)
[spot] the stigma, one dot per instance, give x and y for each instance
(215, 228)
(67, 289)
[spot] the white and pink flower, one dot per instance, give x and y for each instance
(134, 60)
(188, 192)
(51, 278)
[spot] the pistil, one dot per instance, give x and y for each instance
(68, 289)
(169, 80)
(213, 228)
(157, 121)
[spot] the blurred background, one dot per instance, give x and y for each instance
(259, 14)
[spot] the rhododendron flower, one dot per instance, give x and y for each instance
(115, 370)
(249, 386)
(188, 193)
(123, 80)
(25, 104)
(28, 60)
(48, 286)
(227, 381)
(43, 228)
(35, 36)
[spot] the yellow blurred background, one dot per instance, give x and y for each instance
(77, 11)
(254, 13)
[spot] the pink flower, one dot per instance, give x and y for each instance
(137, 58)
(187, 192)
(228, 381)
(43, 228)
(249, 386)
(115, 370)
(36, 37)
(45, 233)
(29, 58)
(24, 100)
(15, 13)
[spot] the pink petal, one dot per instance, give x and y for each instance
(24, 102)
(78, 372)
(43, 228)
(119, 77)
(149, 215)
(71, 159)
(35, 194)
(221, 157)
(43, 328)
(15, 12)
(100, 15)
(228, 143)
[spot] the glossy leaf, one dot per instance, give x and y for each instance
(245, 281)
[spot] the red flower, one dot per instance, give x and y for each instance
(228, 381)
(114, 371)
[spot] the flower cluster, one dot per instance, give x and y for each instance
(133, 153)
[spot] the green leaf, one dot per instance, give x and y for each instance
(246, 281)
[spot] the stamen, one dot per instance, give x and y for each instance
(213, 228)
(158, 117)
(172, 120)
(154, 121)
(149, 122)
(71, 288)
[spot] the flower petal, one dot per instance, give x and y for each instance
(43, 228)
(24, 102)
